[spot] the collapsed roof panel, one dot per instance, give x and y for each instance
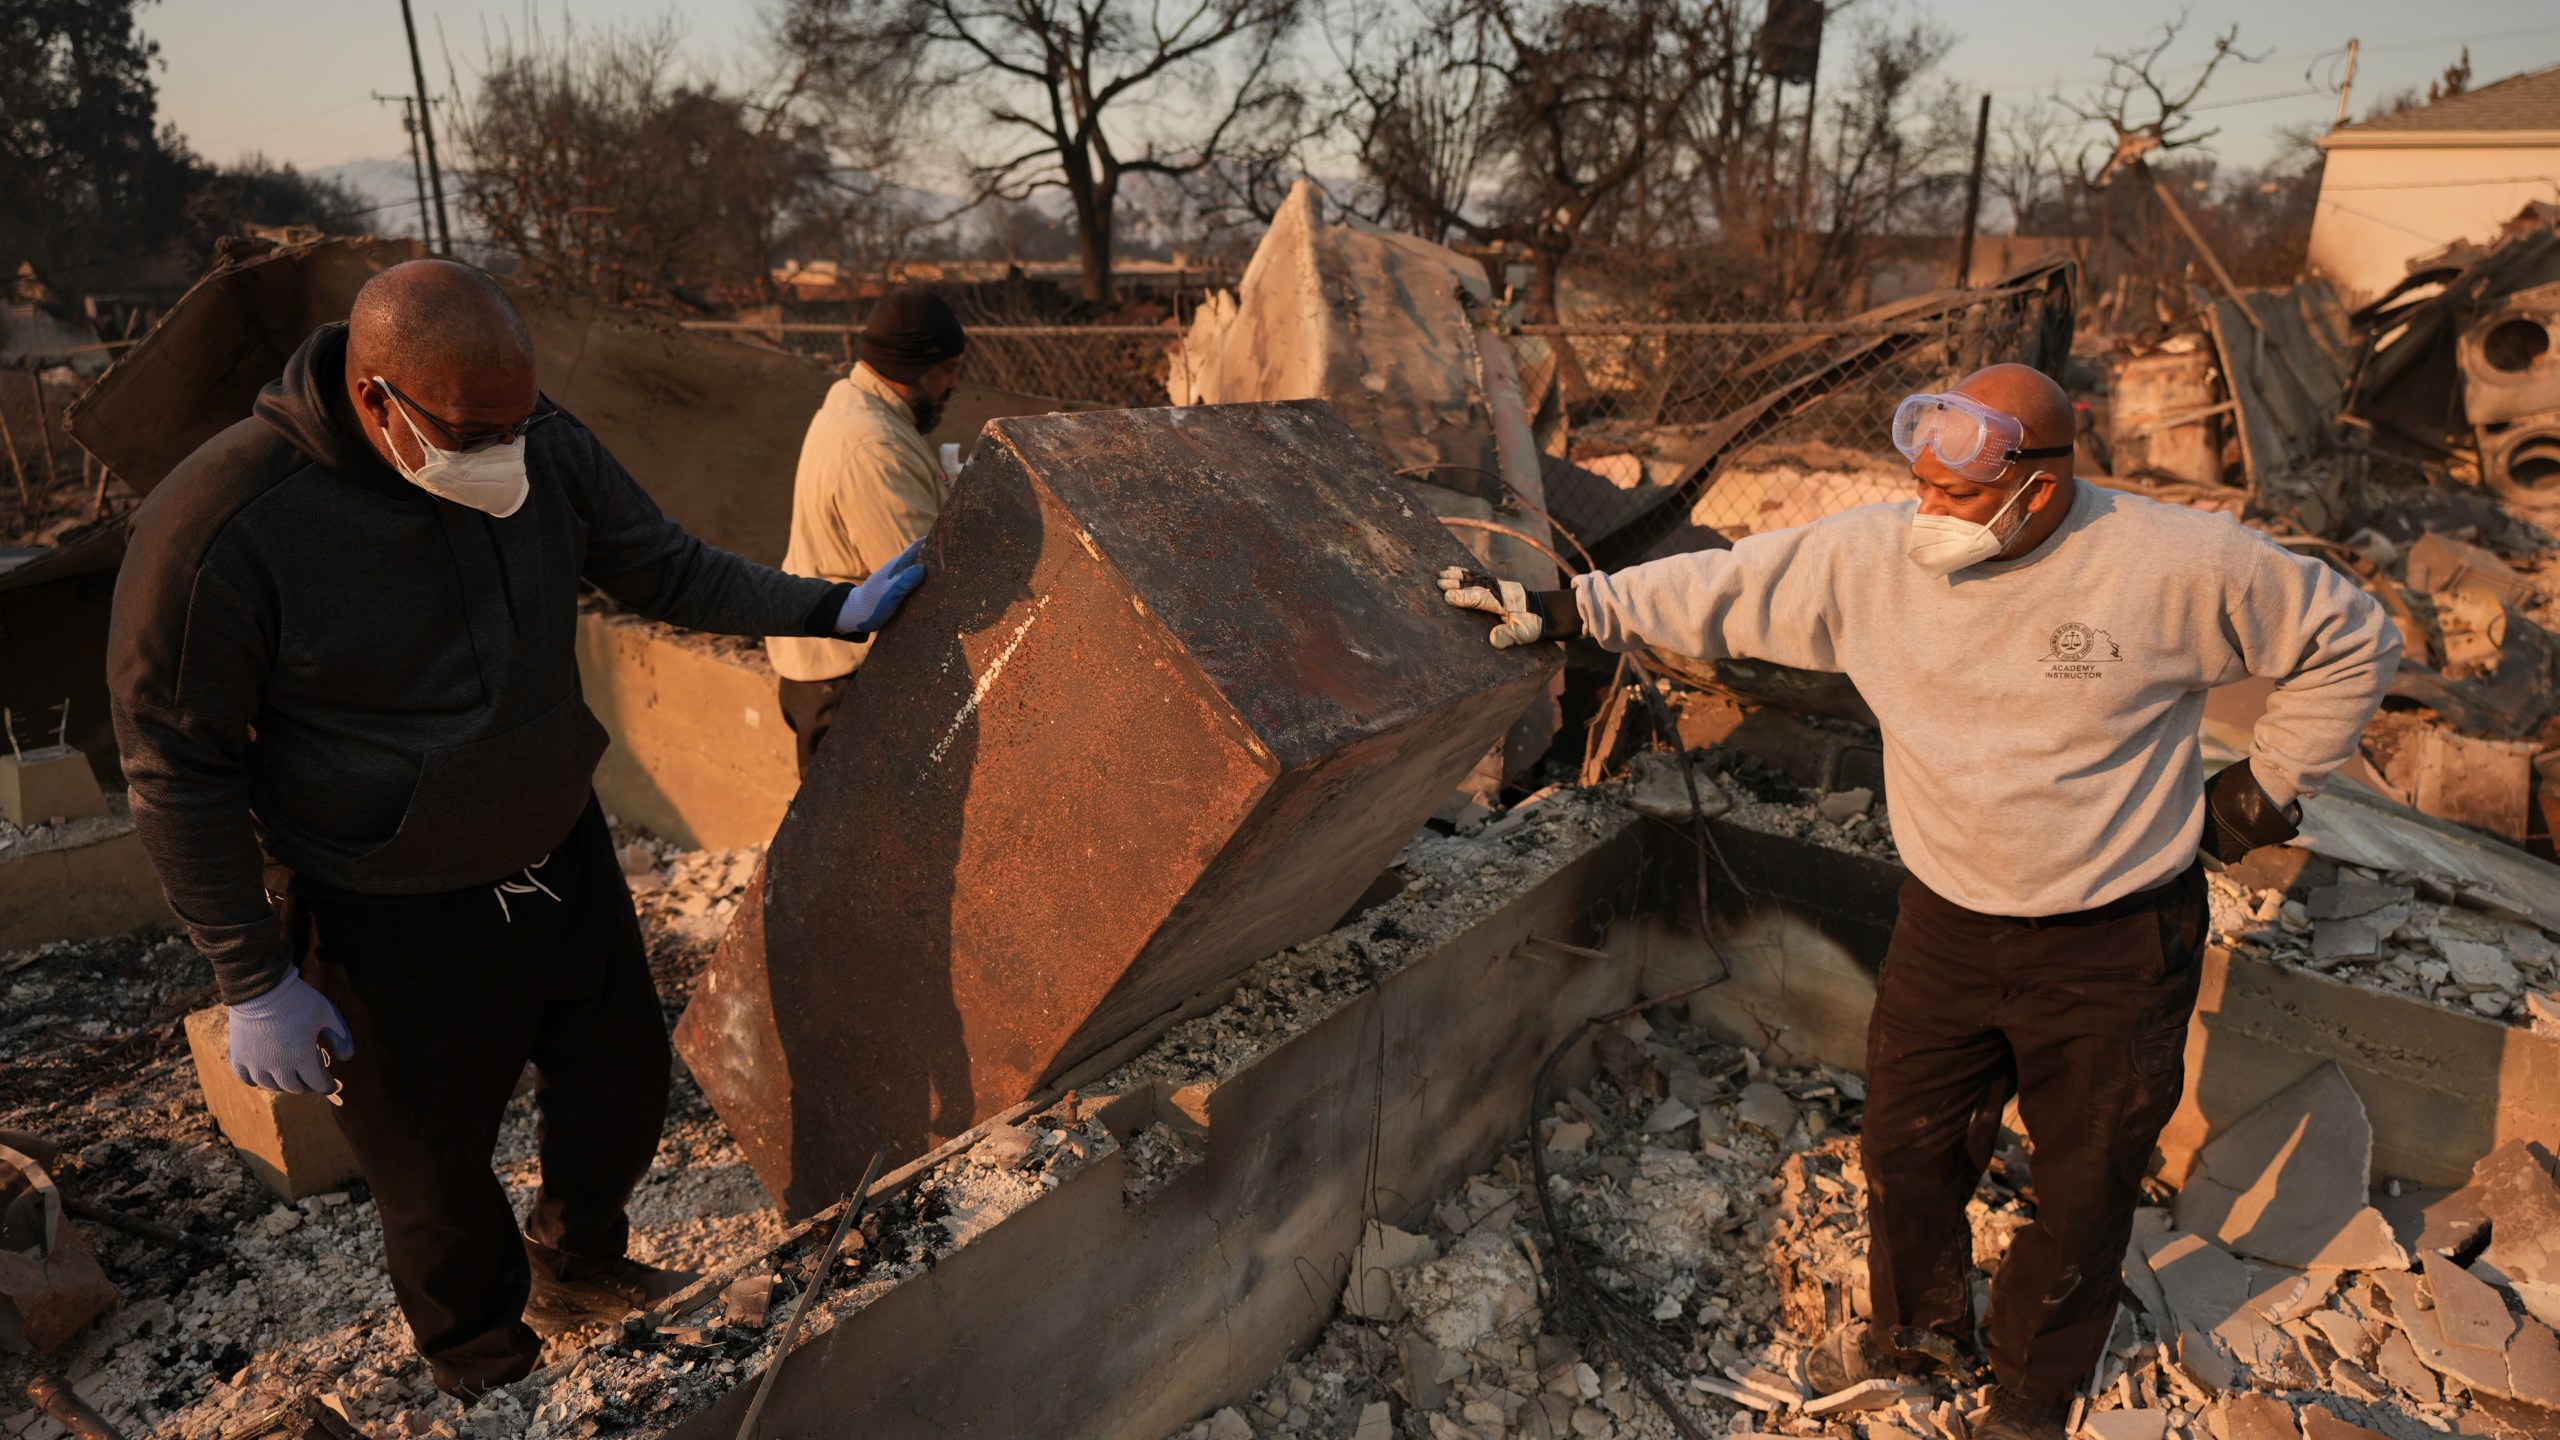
(1180, 703)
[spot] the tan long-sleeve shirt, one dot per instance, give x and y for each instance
(867, 488)
(2040, 715)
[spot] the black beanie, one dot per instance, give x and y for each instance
(909, 332)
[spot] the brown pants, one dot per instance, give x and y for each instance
(2084, 1018)
(809, 708)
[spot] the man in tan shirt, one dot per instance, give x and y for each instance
(868, 487)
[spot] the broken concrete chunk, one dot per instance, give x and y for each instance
(1766, 1107)
(2469, 1309)
(1369, 1291)
(2203, 1362)
(1376, 1422)
(2474, 963)
(2258, 1417)
(2435, 1221)
(2542, 1011)
(1668, 1116)
(1657, 788)
(2287, 1182)
(1841, 805)
(2204, 1284)
(2533, 1366)
(1005, 1145)
(2345, 1334)
(2128, 1424)
(2319, 1424)
(1569, 1137)
(2351, 898)
(2521, 1202)
(2397, 1361)
(2335, 940)
(1230, 1424)
(1863, 1396)
(747, 1300)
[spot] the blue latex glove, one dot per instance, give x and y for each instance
(876, 599)
(276, 1038)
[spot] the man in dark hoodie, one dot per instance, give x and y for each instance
(346, 692)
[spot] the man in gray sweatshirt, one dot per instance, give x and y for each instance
(344, 675)
(2037, 652)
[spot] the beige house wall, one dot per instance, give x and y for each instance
(2382, 206)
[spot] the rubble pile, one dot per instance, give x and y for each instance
(1447, 883)
(1665, 1165)
(263, 1302)
(2425, 936)
(1724, 1205)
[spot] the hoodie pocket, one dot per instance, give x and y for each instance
(488, 807)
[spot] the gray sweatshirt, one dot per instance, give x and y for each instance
(2040, 715)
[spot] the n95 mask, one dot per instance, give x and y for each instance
(489, 478)
(1944, 544)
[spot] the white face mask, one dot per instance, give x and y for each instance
(1944, 544)
(490, 479)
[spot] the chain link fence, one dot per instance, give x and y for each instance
(1733, 426)
(1121, 366)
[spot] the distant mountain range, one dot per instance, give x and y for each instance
(389, 192)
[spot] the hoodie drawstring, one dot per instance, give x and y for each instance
(524, 883)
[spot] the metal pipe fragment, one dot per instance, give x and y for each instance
(55, 1397)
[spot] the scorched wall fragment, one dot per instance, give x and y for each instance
(1178, 687)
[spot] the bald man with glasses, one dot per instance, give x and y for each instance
(345, 685)
(2037, 652)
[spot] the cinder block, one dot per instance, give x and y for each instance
(290, 1142)
(38, 787)
(1177, 688)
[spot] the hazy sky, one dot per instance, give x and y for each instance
(294, 78)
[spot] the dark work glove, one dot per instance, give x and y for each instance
(2240, 816)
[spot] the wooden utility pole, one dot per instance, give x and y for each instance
(417, 164)
(427, 129)
(1973, 194)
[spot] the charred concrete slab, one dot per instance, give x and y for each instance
(1170, 699)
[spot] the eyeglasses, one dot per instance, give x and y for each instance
(1968, 437)
(482, 440)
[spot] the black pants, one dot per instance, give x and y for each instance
(449, 997)
(809, 707)
(2084, 1019)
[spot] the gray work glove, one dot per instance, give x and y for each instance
(276, 1038)
(1527, 615)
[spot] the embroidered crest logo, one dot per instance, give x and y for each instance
(2075, 651)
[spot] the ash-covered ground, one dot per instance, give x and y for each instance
(289, 1300)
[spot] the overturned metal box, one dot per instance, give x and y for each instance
(1178, 688)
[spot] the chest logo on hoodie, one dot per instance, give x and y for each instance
(2076, 652)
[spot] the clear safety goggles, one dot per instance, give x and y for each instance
(1968, 437)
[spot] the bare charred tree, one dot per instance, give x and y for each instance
(1086, 92)
(1423, 112)
(2135, 258)
(1581, 102)
(603, 168)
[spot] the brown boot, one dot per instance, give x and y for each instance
(2013, 1415)
(621, 1287)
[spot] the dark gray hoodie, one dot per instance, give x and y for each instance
(318, 665)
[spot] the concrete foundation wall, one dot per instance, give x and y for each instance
(700, 754)
(1084, 1316)
(1805, 943)
(98, 883)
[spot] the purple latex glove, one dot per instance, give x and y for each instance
(276, 1038)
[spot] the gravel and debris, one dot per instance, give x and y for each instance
(1450, 882)
(93, 1057)
(1666, 1163)
(1724, 1204)
(2418, 936)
